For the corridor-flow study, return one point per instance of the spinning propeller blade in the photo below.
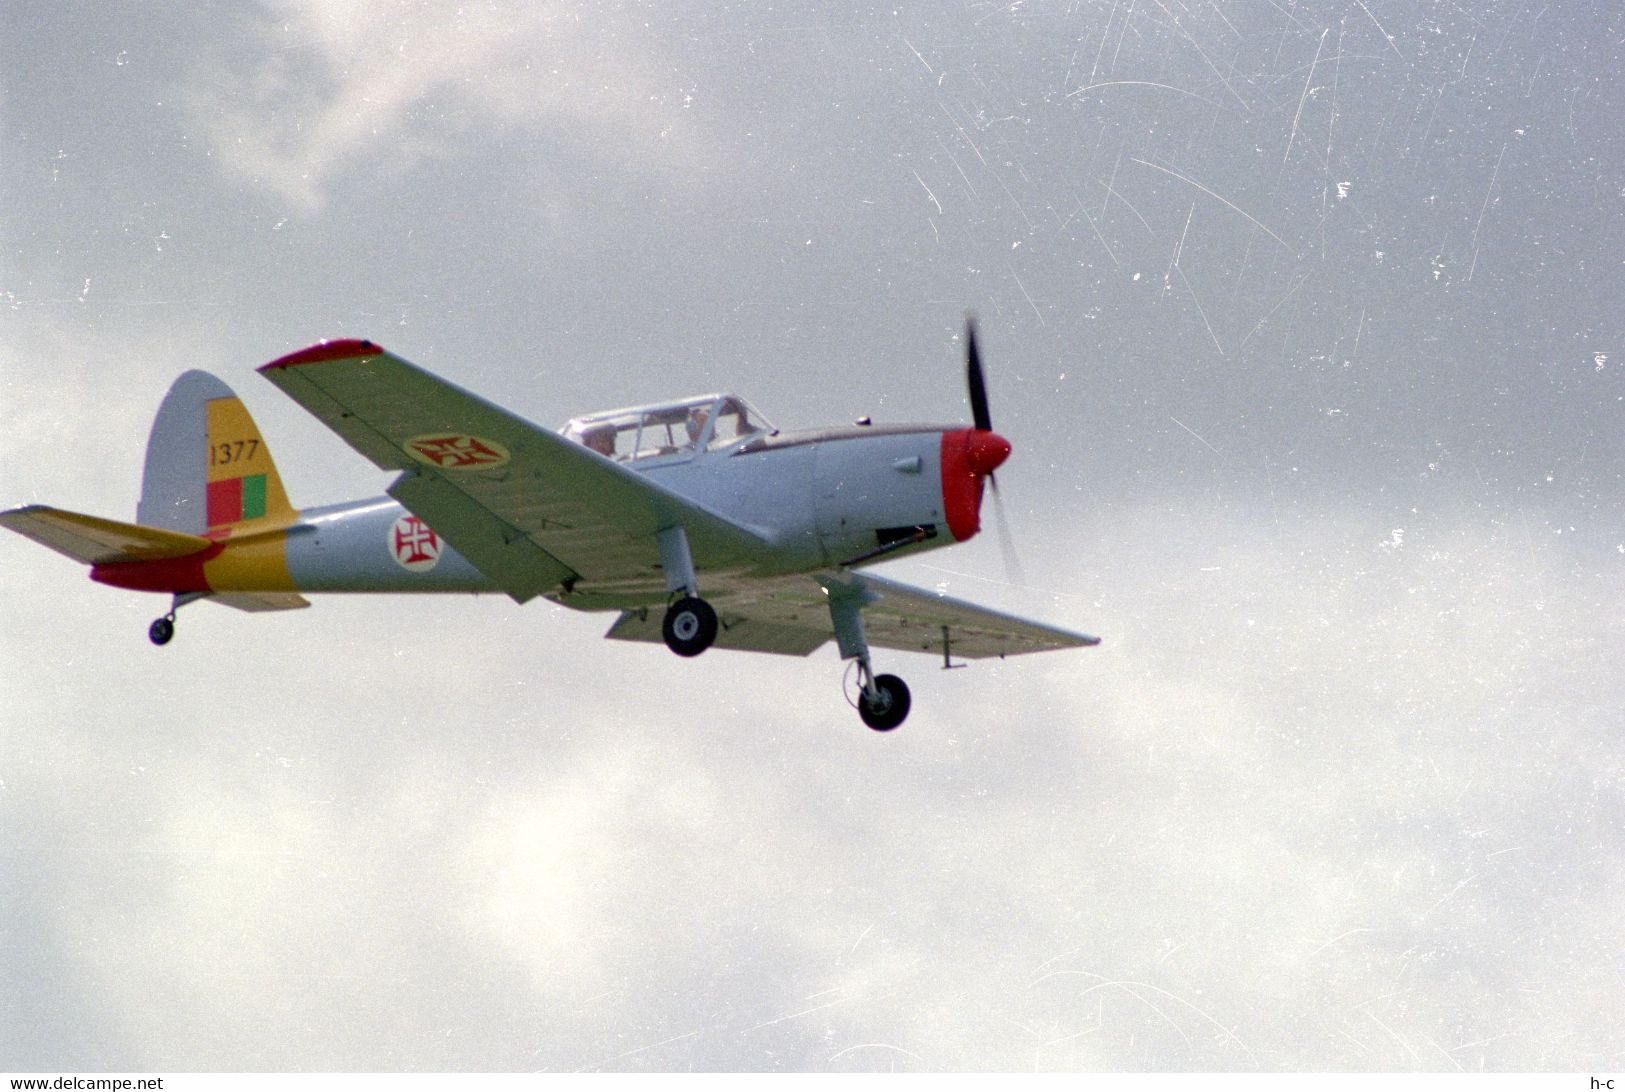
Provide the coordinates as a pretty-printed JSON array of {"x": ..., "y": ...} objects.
[
  {"x": 983, "y": 420},
  {"x": 973, "y": 378},
  {"x": 1007, "y": 543}
]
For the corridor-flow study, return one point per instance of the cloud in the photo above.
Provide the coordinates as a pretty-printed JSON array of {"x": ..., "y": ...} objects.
[
  {"x": 1329, "y": 806},
  {"x": 77, "y": 417},
  {"x": 332, "y": 89},
  {"x": 1330, "y": 796}
]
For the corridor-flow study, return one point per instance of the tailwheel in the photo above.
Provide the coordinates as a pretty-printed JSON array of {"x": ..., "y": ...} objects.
[
  {"x": 690, "y": 626},
  {"x": 162, "y": 629},
  {"x": 887, "y": 706}
]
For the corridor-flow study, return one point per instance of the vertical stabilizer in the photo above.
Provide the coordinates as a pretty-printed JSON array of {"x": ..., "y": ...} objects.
[{"x": 208, "y": 469}]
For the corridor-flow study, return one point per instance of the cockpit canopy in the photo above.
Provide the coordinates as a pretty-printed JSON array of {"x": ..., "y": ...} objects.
[{"x": 708, "y": 423}]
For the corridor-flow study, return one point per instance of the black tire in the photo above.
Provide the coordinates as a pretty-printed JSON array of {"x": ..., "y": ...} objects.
[
  {"x": 891, "y": 707},
  {"x": 690, "y": 626},
  {"x": 161, "y": 630}
]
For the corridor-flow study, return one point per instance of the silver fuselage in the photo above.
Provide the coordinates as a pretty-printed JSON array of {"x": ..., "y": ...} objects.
[{"x": 827, "y": 498}]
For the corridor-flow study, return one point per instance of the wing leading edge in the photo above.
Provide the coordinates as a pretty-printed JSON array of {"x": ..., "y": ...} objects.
[
  {"x": 529, "y": 508},
  {"x": 790, "y": 616}
]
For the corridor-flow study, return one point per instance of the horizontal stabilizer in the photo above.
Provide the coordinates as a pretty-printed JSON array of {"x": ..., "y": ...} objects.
[
  {"x": 96, "y": 541},
  {"x": 259, "y": 601}
]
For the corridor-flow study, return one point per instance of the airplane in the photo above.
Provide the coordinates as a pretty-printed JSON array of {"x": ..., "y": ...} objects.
[{"x": 636, "y": 511}]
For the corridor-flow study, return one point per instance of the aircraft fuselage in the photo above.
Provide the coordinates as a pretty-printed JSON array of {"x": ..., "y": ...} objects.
[{"x": 826, "y": 498}]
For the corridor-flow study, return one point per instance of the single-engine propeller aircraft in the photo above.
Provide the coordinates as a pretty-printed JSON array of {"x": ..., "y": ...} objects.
[{"x": 696, "y": 520}]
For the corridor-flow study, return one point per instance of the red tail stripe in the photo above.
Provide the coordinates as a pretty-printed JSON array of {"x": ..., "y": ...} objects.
[{"x": 174, "y": 574}]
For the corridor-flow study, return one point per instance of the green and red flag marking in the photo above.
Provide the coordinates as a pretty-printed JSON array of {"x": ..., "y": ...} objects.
[{"x": 232, "y": 500}]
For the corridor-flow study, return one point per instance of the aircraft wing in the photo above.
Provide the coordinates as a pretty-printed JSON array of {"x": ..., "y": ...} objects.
[
  {"x": 915, "y": 619},
  {"x": 791, "y": 616},
  {"x": 529, "y": 508}
]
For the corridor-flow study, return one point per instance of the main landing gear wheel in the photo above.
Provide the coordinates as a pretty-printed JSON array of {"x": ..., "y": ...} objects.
[
  {"x": 888, "y": 707},
  {"x": 162, "y": 629},
  {"x": 690, "y": 626}
]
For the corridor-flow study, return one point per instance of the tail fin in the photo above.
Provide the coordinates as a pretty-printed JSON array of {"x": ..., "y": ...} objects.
[{"x": 208, "y": 469}]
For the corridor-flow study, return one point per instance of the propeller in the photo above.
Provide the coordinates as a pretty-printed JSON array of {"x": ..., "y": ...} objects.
[
  {"x": 1013, "y": 571},
  {"x": 973, "y": 378},
  {"x": 983, "y": 420}
]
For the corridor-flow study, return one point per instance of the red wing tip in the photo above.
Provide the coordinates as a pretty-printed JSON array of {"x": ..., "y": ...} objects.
[{"x": 339, "y": 349}]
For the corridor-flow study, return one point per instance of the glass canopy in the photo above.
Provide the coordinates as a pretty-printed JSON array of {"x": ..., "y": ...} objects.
[{"x": 712, "y": 422}]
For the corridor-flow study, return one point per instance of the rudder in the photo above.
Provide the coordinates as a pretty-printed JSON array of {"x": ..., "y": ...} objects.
[{"x": 207, "y": 468}]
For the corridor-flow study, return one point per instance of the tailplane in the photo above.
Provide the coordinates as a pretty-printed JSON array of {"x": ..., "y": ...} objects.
[
  {"x": 208, "y": 470},
  {"x": 92, "y": 540}
]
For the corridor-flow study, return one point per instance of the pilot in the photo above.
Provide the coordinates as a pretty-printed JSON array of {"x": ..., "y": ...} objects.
[
  {"x": 601, "y": 440},
  {"x": 696, "y": 423}
]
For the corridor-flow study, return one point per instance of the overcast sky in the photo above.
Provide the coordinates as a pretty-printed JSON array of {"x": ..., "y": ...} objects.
[{"x": 1304, "y": 319}]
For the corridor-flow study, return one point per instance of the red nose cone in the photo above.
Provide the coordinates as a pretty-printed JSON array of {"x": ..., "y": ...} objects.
[{"x": 986, "y": 452}]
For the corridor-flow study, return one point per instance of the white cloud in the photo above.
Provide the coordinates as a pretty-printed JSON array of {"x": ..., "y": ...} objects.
[
  {"x": 335, "y": 88},
  {"x": 1329, "y": 797},
  {"x": 79, "y": 404},
  {"x": 1367, "y": 831}
]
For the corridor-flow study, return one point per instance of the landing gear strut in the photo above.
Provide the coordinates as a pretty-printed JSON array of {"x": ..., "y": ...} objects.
[
  {"x": 690, "y": 624},
  {"x": 883, "y": 700}
]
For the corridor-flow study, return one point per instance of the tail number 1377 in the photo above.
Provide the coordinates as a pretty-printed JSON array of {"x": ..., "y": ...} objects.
[{"x": 232, "y": 451}]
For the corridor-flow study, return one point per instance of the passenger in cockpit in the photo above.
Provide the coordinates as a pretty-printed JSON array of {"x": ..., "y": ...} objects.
[{"x": 601, "y": 440}]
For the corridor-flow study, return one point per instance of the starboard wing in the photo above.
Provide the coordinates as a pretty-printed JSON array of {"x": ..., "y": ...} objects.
[
  {"x": 790, "y": 616},
  {"x": 529, "y": 508}
]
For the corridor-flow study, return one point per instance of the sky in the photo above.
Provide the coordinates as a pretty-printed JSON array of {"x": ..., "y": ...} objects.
[{"x": 1303, "y": 318}]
